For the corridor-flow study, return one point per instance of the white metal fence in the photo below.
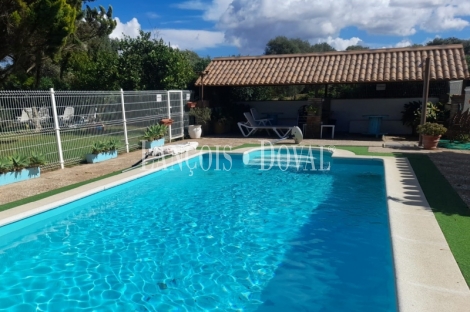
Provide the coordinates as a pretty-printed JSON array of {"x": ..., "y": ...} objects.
[{"x": 63, "y": 125}]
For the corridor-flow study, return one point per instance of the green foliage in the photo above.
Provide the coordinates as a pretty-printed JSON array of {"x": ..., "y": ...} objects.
[
  {"x": 103, "y": 146},
  {"x": 284, "y": 45},
  {"x": 411, "y": 115},
  {"x": 113, "y": 144},
  {"x": 149, "y": 64},
  {"x": 463, "y": 137},
  {"x": 201, "y": 114},
  {"x": 155, "y": 132},
  {"x": 312, "y": 109},
  {"x": 251, "y": 93},
  {"x": 430, "y": 128},
  {"x": 36, "y": 159},
  {"x": 19, "y": 162},
  {"x": 6, "y": 164},
  {"x": 356, "y": 47}
]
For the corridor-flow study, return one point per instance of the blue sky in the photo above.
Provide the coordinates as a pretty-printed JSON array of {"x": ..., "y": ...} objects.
[{"x": 232, "y": 27}]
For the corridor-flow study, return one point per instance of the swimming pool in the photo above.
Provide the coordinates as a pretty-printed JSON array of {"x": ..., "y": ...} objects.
[{"x": 211, "y": 239}]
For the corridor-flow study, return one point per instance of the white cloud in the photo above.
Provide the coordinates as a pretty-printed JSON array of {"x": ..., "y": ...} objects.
[
  {"x": 131, "y": 28},
  {"x": 152, "y": 15},
  {"x": 253, "y": 22},
  {"x": 404, "y": 43},
  {"x": 191, "y": 5},
  {"x": 192, "y": 39},
  {"x": 341, "y": 44}
]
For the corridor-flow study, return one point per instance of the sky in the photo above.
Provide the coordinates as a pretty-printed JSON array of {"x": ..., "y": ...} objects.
[{"x": 218, "y": 28}]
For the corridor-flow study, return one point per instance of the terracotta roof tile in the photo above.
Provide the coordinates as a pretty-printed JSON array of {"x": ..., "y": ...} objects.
[{"x": 384, "y": 65}]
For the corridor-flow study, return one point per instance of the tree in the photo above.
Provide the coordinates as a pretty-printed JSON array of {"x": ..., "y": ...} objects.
[
  {"x": 453, "y": 40},
  {"x": 321, "y": 47},
  {"x": 284, "y": 45},
  {"x": 149, "y": 64},
  {"x": 356, "y": 47},
  {"x": 35, "y": 30}
]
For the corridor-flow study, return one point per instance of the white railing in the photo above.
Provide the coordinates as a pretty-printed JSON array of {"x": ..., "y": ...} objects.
[{"x": 63, "y": 125}]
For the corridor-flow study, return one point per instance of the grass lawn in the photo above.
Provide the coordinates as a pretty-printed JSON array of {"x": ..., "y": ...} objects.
[{"x": 452, "y": 214}]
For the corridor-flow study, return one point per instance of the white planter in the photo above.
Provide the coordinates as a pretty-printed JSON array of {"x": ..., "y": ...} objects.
[{"x": 194, "y": 131}]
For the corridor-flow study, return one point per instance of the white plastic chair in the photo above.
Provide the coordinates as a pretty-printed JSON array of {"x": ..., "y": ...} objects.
[
  {"x": 67, "y": 117},
  {"x": 26, "y": 115}
]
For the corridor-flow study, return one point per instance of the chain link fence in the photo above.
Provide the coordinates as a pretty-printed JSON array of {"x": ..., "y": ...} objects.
[{"x": 63, "y": 125}]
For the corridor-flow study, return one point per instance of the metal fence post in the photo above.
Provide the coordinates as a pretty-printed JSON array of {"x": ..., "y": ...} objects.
[
  {"x": 57, "y": 129},
  {"x": 169, "y": 111},
  {"x": 124, "y": 121}
]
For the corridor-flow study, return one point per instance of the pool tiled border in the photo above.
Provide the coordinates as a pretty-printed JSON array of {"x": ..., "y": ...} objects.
[{"x": 428, "y": 278}]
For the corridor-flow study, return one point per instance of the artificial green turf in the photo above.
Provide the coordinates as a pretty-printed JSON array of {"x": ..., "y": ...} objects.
[{"x": 451, "y": 212}]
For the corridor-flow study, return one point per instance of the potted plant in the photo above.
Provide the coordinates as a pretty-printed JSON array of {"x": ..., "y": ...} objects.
[
  {"x": 222, "y": 125},
  {"x": 202, "y": 116},
  {"x": 18, "y": 168},
  {"x": 312, "y": 110},
  {"x": 191, "y": 104},
  {"x": 431, "y": 133},
  {"x": 155, "y": 136},
  {"x": 103, "y": 150}
]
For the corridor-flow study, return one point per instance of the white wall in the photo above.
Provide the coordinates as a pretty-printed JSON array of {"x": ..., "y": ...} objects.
[{"x": 351, "y": 115}]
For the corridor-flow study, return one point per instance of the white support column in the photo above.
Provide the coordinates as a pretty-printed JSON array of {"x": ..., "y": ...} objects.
[
  {"x": 169, "y": 112},
  {"x": 57, "y": 129},
  {"x": 466, "y": 103},
  {"x": 124, "y": 121},
  {"x": 182, "y": 113}
]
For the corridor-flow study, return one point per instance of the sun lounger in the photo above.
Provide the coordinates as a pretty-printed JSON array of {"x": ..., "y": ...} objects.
[
  {"x": 163, "y": 151},
  {"x": 283, "y": 132}
]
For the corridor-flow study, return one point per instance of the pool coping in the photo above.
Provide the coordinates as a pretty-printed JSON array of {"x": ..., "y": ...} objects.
[{"x": 426, "y": 274}]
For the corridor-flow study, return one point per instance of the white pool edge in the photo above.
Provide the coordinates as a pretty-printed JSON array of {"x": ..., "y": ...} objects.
[{"x": 427, "y": 276}]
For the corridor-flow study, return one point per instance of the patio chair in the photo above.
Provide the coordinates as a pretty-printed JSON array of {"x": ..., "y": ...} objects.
[
  {"x": 67, "y": 117},
  {"x": 43, "y": 115},
  {"x": 26, "y": 115},
  {"x": 259, "y": 119},
  {"x": 283, "y": 132}
]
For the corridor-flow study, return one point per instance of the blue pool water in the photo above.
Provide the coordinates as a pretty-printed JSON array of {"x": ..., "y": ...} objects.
[{"x": 210, "y": 240}]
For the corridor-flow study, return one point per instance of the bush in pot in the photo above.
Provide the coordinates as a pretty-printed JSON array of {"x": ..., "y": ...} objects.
[
  {"x": 155, "y": 136},
  {"x": 18, "y": 167},
  {"x": 431, "y": 133},
  {"x": 103, "y": 150},
  {"x": 202, "y": 116}
]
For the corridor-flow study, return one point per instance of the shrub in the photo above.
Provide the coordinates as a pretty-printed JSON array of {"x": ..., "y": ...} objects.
[
  {"x": 6, "y": 164},
  {"x": 104, "y": 146},
  {"x": 411, "y": 115},
  {"x": 201, "y": 114},
  {"x": 430, "y": 128},
  {"x": 36, "y": 159},
  {"x": 155, "y": 132}
]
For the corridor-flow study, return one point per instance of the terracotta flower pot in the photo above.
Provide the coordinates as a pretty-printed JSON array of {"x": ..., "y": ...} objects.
[
  {"x": 430, "y": 141},
  {"x": 166, "y": 121},
  {"x": 191, "y": 104}
]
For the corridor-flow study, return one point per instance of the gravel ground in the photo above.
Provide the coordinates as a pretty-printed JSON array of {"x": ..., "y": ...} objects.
[{"x": 454, "y": 165}]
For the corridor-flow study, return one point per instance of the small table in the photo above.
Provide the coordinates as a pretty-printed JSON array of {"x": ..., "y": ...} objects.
[
  {"x": 375, "y": 122},
  {"x": 327, "y": 126}
]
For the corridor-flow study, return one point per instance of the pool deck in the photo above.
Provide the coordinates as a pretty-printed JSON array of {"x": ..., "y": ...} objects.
[{"x": 427, "y": 275}]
